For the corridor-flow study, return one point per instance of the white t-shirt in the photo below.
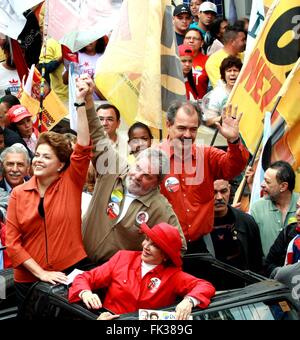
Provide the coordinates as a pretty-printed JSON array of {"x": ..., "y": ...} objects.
[
  {"x": 9, "y": 79},
  {"x": 87, "y": 64},
  {"x": 213, "y": 102},
  {"x": 31, "y": 142},
  {"x": 128, "y": 199}
]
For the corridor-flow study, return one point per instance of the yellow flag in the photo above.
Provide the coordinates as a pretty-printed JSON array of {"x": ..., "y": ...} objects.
[
  {"x": 53, "y": 109},
  {"x": 268, "y": 3},
  {"x": 140, "y": 72},
  {"x": 273, "y": 57},
  {"x": 289, "y": 106},
  {"x": 288, "y": 146}
]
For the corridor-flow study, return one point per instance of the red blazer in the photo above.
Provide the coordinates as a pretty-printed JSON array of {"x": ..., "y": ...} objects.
[{"x": 128, "y": 291}]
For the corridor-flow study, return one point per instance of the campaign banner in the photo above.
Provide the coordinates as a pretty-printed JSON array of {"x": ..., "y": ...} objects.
[
  {"x": 274, "y": 55},
  {"x": 53, "y": 110}
]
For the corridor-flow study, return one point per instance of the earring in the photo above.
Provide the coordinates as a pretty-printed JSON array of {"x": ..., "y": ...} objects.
[{"x": 59, "y": 169}]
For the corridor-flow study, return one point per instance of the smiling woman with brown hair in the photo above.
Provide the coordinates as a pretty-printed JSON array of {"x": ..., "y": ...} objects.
[{"x": 44, "y": 216}]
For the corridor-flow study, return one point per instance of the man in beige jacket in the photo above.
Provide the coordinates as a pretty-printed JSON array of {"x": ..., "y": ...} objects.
[{"x": 123, "y": 198}]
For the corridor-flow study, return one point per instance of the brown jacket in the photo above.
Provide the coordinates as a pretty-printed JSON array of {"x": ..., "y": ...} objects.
[{"x": 102, "y": 235}]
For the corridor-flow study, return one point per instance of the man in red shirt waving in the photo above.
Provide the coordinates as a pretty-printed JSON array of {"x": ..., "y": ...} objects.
[{"x": 193, "y": 168}]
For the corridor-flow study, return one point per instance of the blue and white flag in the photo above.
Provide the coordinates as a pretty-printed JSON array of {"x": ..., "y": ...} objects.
[
  {"x": 73, "y": 73},
  {"x": 259, "y": 173},
  {"x": 257, "y": 18}
]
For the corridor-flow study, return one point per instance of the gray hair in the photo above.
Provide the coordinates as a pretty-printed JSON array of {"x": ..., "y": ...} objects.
[
  {"x": 158, "y": 159},
  {"x": 15, "y": 148},
  {"x": 189, "y": 108}
]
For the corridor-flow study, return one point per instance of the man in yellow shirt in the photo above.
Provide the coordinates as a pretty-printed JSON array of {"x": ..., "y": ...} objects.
[
  {"x": 54, "y": 69},
  {"x": 234, "y": 44}
]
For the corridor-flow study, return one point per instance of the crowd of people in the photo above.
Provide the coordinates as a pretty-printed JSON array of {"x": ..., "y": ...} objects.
[{"x": 74, "y": 200}]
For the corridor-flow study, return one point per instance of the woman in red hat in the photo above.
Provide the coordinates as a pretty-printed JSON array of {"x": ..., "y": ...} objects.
[{"x": 147, "y": 279}]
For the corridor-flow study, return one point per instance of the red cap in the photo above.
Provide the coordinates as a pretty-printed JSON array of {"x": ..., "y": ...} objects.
[
  {"x": 167, "y": 238},
  {"x": 185, "y": 50},
  {"x": 18, "y": 112}
]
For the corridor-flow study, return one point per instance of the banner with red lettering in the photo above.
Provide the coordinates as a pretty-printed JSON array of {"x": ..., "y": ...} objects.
[
  {"x": 274, "y": 55},
  {"x": 53, "y": 109}
]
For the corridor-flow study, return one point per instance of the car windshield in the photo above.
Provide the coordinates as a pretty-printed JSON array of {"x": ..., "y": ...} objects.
[{"x": 267, "y": 310}]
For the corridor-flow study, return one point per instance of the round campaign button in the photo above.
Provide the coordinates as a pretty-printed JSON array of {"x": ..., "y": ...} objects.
[
  {"x": 113, "y": 210},
  {"x": 154, "y": 284},
  {"x": 116, "y": 196},
  {"x": 172, "y": 184},
  {"x": 142, "y": 217}
]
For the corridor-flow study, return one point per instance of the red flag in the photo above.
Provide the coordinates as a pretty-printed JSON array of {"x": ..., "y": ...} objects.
[{"x": 19, "y": 60}]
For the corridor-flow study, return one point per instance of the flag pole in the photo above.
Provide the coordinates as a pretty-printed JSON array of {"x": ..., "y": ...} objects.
[
  {"x": 215, "y": 135},
  {"x": 43, "y": 71},
  {"x": 243, "y": 184}
]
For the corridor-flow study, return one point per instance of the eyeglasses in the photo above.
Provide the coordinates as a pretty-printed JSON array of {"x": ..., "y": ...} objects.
[{"x": 192, "y": 38}]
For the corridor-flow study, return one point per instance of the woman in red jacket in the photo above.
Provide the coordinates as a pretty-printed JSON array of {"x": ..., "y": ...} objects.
[{"x": 147, "y": 279}]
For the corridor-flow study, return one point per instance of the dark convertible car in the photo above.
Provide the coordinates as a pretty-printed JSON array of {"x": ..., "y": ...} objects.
[{"x": 241, "y": 295}]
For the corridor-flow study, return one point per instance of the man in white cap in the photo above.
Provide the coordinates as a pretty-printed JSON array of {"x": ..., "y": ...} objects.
[{"x": 207, "y": 14}]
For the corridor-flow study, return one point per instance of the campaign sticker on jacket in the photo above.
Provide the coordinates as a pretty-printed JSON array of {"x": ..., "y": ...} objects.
[
  {"x": 142, "y": 217},
  {"x": 172, "y": 184},
  {"x": 154, "y": 284},
  {"x": 116, "y": 196},
  {"x": 113, "y": 210}
]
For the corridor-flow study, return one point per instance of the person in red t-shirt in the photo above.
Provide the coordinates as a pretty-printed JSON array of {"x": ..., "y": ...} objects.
[
  {"x": 194, "y": 39},
  {"x": 186, "y": 58}
]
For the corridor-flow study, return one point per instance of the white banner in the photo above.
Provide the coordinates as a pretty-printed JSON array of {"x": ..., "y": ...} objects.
[
  {"x": 12, "y": 20},
  {"x": 77, "y": 23},
  {"x": 21, "y": 6}
]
